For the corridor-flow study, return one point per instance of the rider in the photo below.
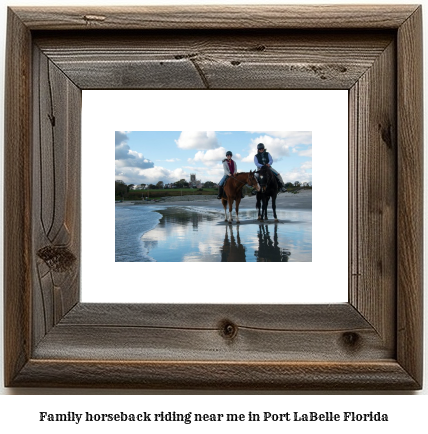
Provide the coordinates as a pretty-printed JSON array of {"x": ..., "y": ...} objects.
[
  {"x": 230, "y": 169},
  {"x": 263, "y": 158}
]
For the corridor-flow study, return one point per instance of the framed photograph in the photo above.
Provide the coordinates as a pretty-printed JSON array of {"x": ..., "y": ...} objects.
[
  {"x": 162, "y": 218},
  {"x": 373, "y": 341}
]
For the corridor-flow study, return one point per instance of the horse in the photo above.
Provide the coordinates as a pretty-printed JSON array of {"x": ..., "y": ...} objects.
[
  {"x": 233, "y": 189},
  {"x": 268, "y": 189}
]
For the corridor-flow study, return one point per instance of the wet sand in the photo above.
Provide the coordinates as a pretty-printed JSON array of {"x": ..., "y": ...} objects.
[{"x": 301, "y": 200}]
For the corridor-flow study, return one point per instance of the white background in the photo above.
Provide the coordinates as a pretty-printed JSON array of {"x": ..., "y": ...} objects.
[
  {"x": 408, "y": 413},
  {"x": 324, "y": 280}
]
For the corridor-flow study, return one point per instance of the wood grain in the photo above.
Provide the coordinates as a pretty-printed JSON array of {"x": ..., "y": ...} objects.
[
  {"x": 17, "y": 199},
  {"x": 373, "y": 178},
  {"x": 216, "y": 59},
  {"x": 56, "y": 198},
  {"x": 372, "y": 342},
  {"x": 199, "y": 332},
  {"x": 410, "y": 197},
  {"x": 217, "y": 17},
  {"x": 216, "y": 375}
]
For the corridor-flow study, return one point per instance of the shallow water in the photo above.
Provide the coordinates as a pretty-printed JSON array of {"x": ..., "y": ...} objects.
[{"x": 198, "y": 234}]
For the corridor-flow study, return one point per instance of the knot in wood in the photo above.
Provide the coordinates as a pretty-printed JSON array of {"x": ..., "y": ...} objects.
[
  {"x": 94, "y": 18},
  {"x": 351, "y": 340},
  {"x": 58, "y": 259},
  {"x": 228, "y": 330},
  {"x": 386, "y": 134}
]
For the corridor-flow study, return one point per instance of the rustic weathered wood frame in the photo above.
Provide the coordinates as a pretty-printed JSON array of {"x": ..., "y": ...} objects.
[{"x": 372, "y": 342}]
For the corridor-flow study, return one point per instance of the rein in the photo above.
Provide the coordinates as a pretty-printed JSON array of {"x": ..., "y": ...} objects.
[{"x": 236, "y": 179}]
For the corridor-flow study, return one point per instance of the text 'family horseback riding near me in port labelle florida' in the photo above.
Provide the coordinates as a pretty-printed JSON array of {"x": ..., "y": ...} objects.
[{"x": 187, "y": 418}]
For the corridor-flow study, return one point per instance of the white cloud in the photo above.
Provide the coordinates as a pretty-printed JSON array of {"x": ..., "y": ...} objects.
[
  {"x": 293, "y": 138},
  {"x": 133, "y": 168},
  {"x": 213, "y": 173},
  {"x": 151, "y": 175},
  {"x": 280, "y": 143},
  {"x": 197, "y": 140},
  {"x": 299, "y": 173},
  {"x": 307, "y": 165},
  {"x": 277, "y": 147},
  {"x": 133, "y": 175},
  {"x": 125, "y": 156},
  {"x": 210, "y": 157},
  {"x": 305, "y": 153}
]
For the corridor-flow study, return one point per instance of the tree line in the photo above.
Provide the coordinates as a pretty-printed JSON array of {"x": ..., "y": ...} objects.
[{"x": 128, "y": 191}]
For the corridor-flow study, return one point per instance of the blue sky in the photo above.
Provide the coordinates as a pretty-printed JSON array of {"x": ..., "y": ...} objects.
[{"x": 152, "y": 156}]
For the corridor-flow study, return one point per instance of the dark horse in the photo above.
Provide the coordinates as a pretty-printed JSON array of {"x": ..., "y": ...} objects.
[
  {"x": 268, "y": 189},
  {"x": 233, "y": 188}
]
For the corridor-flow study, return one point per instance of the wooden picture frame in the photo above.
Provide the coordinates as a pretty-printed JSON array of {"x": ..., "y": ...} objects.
[{"x": 372, "y": 342}]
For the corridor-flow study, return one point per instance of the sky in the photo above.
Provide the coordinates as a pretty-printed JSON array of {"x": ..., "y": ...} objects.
[{"x": 146, "y": 157}]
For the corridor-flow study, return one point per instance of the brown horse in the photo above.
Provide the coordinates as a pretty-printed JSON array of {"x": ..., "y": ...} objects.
[{"x": 233, "y": 189}]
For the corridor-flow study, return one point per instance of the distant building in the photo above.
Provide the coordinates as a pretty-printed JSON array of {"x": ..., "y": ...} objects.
[{"x": 193, "y": 181}]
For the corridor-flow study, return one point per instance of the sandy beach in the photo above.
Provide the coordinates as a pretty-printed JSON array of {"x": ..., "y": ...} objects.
[{"x": 301, "y": 200}]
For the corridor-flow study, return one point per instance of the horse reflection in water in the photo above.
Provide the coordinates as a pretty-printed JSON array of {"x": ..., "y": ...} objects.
[
  {"x": 232, "y": 250},
  {"x": 270, "y": 251}
]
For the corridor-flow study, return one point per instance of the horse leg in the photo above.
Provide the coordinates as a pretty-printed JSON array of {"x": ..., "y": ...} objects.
[
  {"x": 237, "y": 202},
  {"x": 264, "y": 210},
  {"x": 274, "y": 207},
  {"x": 258, "y": 205},
  {"x": 230, "y": 210},
  {"x": 224, "y": 203}
]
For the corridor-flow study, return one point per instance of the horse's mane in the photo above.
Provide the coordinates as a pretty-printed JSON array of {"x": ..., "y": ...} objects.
[
  {"x": 267, "y": 170},
  {"x": 244, "y": 173}
]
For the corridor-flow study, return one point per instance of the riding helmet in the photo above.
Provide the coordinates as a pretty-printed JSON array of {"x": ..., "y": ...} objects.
[
  {"x": 260, "y": 146},
  {"x": 228, "y": 153}
]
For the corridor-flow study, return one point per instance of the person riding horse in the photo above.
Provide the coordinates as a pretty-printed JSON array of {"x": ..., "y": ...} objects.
[
  {"x": 263, "y": 158},
  {"x": 230, "y": 169}
]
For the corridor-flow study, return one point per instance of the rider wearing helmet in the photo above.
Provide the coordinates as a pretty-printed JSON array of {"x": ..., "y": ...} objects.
[
  {"x": 230, "y": 168},
  {"x": 263, "y": 158}
]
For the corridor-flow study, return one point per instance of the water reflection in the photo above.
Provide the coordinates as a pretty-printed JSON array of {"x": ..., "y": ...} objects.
[
  {"x": 232, "y": 249},
  {"x": 183, "y": 217},
  {"x": 200, "y": 235},
  {"x": 269, "y": 251}
]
